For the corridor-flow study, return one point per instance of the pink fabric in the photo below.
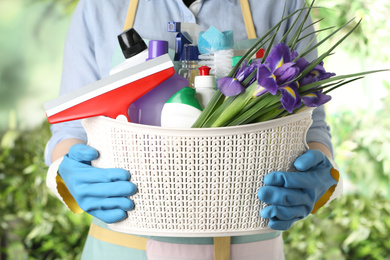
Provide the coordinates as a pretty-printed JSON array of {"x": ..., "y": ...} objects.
[{"x": 271, "y": 249}]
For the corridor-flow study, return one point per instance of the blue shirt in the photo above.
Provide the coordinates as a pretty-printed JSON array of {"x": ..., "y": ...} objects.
[{"x": 91, "y": 43}]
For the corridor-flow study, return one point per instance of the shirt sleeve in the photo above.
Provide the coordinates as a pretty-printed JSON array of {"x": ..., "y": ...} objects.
[{"x": 79, "y": 69}]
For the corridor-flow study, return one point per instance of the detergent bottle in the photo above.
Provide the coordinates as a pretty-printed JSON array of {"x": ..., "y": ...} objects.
[
  {"x": 205, "y": 86},
  {"x": 147, "y": 109},
  {"x": 181, "y": 110},
  {"x": 189, "y": 68}
]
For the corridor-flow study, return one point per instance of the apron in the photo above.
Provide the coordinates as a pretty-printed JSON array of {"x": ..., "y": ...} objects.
[{"x": 103, "y": 243}]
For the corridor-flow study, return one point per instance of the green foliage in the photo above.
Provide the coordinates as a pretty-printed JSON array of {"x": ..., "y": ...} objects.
[
  {"x": 351, "y": 227},
  {"x": 362, "y": 145},
  {"x": 34, "y": 224},
  {"x": 68, "y": 6},
  {"x": 372, "y": 35},
  {"x": 31, "y": 49}
]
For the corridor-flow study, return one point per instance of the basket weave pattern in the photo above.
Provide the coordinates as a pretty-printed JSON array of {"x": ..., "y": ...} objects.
[{"x": 197, "y": 182}]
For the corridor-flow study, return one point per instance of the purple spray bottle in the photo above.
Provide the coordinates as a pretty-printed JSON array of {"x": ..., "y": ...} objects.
[{"x": 147, "y": 109}]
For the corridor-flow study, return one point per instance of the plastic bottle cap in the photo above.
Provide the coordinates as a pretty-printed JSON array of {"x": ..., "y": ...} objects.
[
  {"x": 190, "y": 52},
  {"x": 204, "y": 70},
  {"x": 186, "y": 96},
  {"x": 157, "y": 48},
  {"x": 235, "y": 59},
  {"x": 131, "y": 43},
  {"x": 260, "y": 53},
  {"x": 205, "y": 80}
]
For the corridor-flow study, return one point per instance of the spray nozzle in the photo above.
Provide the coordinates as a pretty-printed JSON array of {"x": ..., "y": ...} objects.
[
  {"x": 189, "y": 30},
  {"x": 174, "y": 26},
  {"x": 204, "y": 70}
]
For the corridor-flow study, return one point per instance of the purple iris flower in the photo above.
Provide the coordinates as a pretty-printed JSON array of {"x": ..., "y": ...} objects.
[
  {"x": 279, "y": 55},
  {"x": 301, "y": 63},
  {"x": 290, "y": 97},
  {"x": 316, "y": 74},
  {"x": 277, "y": 69},
  {"x": 315, "y": 99},
  {"x": 230, "y": 86},
  {"x": 320, "y": 73},
  {"x": 285, "y": 73},
  {"x": 233, "y": 86}
]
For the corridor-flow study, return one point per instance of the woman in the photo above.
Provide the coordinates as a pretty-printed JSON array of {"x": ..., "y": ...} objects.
[{"x": 90, "y": 51}]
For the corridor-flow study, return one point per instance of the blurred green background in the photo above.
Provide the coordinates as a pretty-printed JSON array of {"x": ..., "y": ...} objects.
[{"x": 35, "y": 225}]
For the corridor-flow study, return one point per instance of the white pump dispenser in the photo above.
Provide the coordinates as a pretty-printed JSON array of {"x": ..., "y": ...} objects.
[{"x": 205, "y": 86}]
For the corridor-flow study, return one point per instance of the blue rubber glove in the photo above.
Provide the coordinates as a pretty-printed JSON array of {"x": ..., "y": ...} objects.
[
  {"x": 292, "y": 195},
  {"x": 100, "y": 192}
]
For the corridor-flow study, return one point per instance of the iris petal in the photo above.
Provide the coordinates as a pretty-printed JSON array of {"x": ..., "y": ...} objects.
[
  {"x": 290, "y": 97},
  {"x": 241, "y": 68},
  {"x": 315, "y": 99},
  {"x": 230, "y": 86},
  {"x": 279, "y": 55},
  {"x": 245, "y": 73},
  {"x": 259, "y": 91},
  {"x": 286, "y": 73},
  {"x": 270, "y": 85},
  {"x": 266, "y": 79}
]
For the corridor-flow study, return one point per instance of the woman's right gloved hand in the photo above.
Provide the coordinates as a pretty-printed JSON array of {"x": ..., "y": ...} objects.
[{"x": 100, "y": 192}]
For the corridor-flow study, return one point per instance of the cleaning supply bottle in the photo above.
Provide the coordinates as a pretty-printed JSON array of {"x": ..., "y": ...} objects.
[
  {"x": 147, "y": 109},
  {"x": 186, "y": 33},
  {"x": 205, "y": 86},
  {"x": 133, "y": 48},
  {"x": 189, "y": 68},
  {"x": 181, "y": 110}
]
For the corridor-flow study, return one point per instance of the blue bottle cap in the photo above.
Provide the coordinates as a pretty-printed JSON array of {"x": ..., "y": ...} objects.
[{"x": 190, "y": 52}]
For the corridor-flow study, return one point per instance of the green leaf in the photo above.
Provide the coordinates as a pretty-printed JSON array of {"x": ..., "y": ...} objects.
[
  {"x": 217, "y": 113},
  {"x": 236, "y": 105},
  {"x": 315, "y": 32},
  {"x": 325, "y": 40},
  {"x": 271, "y": 114},
  {"x": 293, "y": 24},
  {"x": 258, "y": 44},
  {"x": 294, "y": 40},
  {"x": 261, "y": 105},
  {"x": 214, "y": 103},
  {"x": 341, "y": 77},
  {"x": 339, "y": 85}
]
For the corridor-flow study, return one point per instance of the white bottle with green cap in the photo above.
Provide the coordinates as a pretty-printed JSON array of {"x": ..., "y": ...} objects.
[{"x": 181, "y": 110}]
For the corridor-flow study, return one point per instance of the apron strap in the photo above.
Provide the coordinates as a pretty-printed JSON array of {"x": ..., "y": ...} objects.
[
  {"x": 246, "y": 13},
  {"x": 130, "y": 15},
  {"x": 248, "y": 20},
  {"x": 221, "y": 248}
]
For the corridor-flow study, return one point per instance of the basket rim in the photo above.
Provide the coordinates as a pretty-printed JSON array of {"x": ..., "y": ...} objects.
[{"x": 217, "y": 131}]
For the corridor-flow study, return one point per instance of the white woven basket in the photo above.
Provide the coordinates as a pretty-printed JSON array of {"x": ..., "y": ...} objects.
[{"x": 197, "y": 182}]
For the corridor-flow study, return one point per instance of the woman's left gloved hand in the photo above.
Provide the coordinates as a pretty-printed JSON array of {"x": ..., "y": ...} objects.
[{"x": 292, "y": 195}]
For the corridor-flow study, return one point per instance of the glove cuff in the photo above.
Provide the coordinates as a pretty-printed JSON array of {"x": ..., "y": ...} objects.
[
  {"x": 332, "y": 192},
  {"x": 58, "y": 187}
]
